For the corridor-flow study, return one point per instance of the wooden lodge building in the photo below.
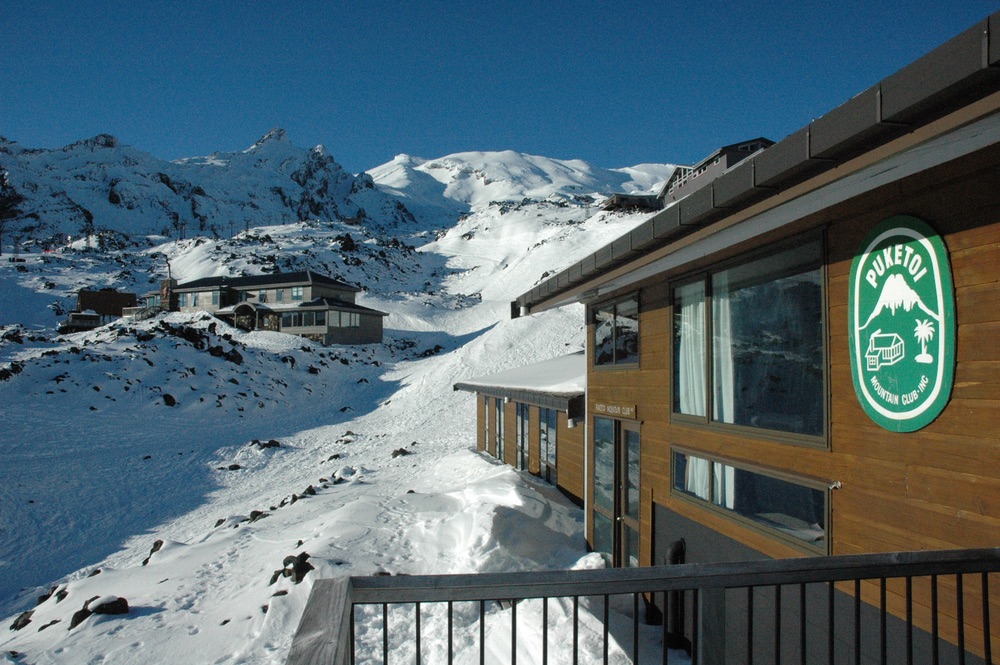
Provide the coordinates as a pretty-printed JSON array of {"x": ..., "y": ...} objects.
[
  {"x": 532, "y": 418},
  {"x": 802, "y": 357}
]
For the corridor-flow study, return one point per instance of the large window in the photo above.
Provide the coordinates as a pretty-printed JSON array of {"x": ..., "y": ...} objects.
[
  {"x": 791, "y": 508},
  {"x": 748, "y": 344},
  {"x": 616, "y": 333},
  {"x": 523, "y": 421},
  {"x": 296, "y": 293},
  {"x": 547, "y": 424},
  {"x": 301, "y": 319},
  {"x": 345, "y": 320}
]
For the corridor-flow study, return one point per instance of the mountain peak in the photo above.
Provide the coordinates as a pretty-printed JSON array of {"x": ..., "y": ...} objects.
[
  {"x": 276, "y": 135},
  {"x": 99, "y": 141}
]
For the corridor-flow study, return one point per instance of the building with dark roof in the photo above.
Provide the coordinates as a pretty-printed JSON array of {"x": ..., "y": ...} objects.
[
  {"x": 686, "y": 180},
  {"x": 306, "y": 303},
  {"x": 95, "y": 308}
]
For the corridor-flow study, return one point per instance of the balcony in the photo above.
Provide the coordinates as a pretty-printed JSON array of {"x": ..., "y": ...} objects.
[{"x": 902, "y": 607}]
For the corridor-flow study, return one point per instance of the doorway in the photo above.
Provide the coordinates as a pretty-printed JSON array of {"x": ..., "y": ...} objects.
[{"x": 616, "y": 490}]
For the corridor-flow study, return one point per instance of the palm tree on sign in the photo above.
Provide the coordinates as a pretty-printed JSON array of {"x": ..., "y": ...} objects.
[{"x": 924, "y": 332}]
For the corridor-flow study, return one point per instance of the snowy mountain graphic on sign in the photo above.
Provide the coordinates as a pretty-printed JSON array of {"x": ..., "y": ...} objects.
[{"x": 896, "y": 294}]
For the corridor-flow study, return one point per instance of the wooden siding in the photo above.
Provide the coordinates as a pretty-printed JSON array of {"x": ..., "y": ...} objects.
[
  {"x": 569, "y": 456},
  {"x": 569, "y": 451},
  {"x": 480, "y": 423},
  {"x": 937, "y": 488}
]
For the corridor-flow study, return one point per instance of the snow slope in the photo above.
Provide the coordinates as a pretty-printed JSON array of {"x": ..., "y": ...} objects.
[
  {"x": 472, "y": 180},
  {"x": 229, "y": 452}
]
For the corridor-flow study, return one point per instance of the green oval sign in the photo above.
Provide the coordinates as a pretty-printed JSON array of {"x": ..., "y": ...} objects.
[{"x": 901, "y": 324}]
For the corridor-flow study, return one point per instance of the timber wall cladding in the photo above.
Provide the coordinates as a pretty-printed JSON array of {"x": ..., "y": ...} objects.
[
  {"x": 569, "y": 456},
  {"x": 937, "y": 488}
]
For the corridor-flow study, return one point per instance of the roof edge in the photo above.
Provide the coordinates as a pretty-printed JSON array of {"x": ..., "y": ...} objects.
[{"x": 963, "y": 70}]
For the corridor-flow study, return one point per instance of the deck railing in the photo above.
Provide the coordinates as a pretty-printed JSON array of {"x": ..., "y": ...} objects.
[{"x": 901, "y": 607}]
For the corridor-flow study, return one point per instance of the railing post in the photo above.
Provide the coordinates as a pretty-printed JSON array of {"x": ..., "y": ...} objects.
[
  {"x": 329, "y": 602},
  {"x": 711, "y": 626}
]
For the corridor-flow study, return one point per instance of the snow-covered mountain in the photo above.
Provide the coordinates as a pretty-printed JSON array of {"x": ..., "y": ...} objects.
[
  {"x": 472, "y": 180},
  {"x": 100, "y": 185},
  {"x": 187, "y": 461}
]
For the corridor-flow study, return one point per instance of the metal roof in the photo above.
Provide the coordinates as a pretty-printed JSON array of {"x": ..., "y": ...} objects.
[
  {"x": 316, "y": 303},
  {"x": 958, "y": 73},
  {"x": 302, "y": 277}
]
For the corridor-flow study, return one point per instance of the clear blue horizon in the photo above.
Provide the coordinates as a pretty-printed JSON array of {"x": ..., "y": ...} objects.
[{"x": 615, "y": 86}]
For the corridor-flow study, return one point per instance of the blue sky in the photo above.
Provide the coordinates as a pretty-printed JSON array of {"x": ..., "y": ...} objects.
[{"x": 613, "y": 83}]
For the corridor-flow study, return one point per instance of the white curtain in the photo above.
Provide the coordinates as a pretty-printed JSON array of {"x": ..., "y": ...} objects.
[
  {"x": 696, "y": 479},
  {"x": 725, "y": 485},
  {"x": 722, "y": 350},
  {"x": 691, "y": 351}
]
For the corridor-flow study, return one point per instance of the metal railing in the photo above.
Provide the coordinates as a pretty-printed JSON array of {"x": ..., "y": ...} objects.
[{"x": 901, "y": 607}]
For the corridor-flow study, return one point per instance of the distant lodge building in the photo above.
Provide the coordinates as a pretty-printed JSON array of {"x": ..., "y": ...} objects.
[
  {"x": 687, "y": 179},
  {"x": 532, "y": 418},
  {"x": 94, "y": 308},
  {"x": 800, "y": 357},
  {"x": 305, "y": 303}
]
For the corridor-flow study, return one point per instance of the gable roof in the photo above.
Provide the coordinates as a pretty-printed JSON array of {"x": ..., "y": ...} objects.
[
  {"x": 961, "y": 74},
  {"x": 316, "y": 303},
  {"x": 302, "y": 277}
]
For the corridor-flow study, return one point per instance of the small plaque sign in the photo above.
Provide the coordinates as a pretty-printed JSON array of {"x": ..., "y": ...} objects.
[{"x": 615, "y": 410}]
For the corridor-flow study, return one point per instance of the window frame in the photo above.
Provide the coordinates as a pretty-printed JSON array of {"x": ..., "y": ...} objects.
[
  {"x": 823, "y": 486},
  {"x": 705, "y": 276},
  {"x": 592, "y": 334},
  {"x": 522, "y": 436},
  {"x": 499, "y": 413},
  {"x": 549, "y": 472},
  {"x": 487, "y": 432}
]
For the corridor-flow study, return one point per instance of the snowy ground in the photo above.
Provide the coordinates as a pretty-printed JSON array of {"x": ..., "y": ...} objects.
[{"x": 161, "y": 431}]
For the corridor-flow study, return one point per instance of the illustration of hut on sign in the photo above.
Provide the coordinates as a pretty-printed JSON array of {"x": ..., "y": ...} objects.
[{"x": 884, "y": 349}]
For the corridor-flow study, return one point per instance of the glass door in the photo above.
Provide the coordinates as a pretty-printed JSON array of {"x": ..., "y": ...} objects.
[
  {"x": 616, "y": 490},
  {"x": 628, "y": 490}
]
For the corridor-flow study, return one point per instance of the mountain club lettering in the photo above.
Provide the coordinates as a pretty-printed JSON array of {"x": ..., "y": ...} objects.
[{"x": 901, "y": 324}]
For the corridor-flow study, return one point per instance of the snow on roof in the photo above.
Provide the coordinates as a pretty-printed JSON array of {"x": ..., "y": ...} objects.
[{"x": 565, "y": 375}]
